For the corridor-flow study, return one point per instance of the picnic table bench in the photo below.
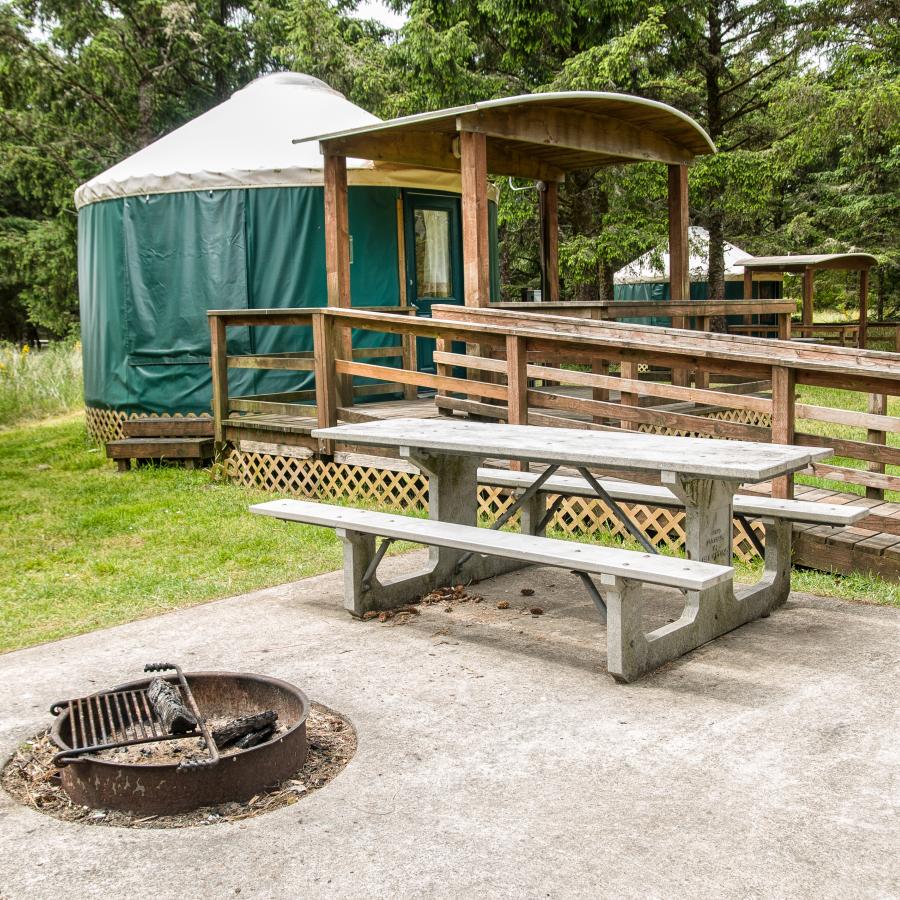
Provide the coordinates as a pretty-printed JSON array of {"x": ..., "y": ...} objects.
[{"x": 699, "y": 474}]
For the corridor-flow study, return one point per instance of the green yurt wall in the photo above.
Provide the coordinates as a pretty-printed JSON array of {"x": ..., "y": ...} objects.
[{"x": 227, "y": 212}]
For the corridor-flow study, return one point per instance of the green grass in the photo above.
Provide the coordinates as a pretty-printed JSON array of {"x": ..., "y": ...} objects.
[
  {"x": 85, "y": 548},
  {"x": 36, "y": 384},
  {"x": 851, "y": 400},
  {"x": 82, "y": 547}
]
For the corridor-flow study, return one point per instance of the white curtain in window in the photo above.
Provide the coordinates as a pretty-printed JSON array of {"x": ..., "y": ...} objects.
[{"x": 437, "y": 253}]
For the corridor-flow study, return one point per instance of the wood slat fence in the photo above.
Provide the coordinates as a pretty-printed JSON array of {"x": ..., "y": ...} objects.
[{"x": 540, "y": 368}]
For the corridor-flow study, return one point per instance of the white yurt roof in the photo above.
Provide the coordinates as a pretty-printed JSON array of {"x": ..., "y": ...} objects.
[
  {"x": 653, "y": 266},
  {"x": 248, "y": 141}
]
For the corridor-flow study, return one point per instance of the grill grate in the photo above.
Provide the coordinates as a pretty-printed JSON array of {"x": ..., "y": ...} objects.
[{"x": 113, "y": 719}]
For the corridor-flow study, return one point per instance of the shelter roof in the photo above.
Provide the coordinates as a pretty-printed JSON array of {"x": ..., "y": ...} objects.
[
  {"x": 846, "y": 261},
  {"x": 246, "y": 142},
  {"x": 534, "y": 135}
]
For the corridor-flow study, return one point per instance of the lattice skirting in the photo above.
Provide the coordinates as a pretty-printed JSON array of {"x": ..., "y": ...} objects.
[
  {"x": 402, "y": 489},
  {"x": 105, "y": 425}
]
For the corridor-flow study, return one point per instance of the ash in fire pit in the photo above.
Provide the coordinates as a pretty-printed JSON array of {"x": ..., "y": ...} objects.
[{"x": 117, "y": 751}]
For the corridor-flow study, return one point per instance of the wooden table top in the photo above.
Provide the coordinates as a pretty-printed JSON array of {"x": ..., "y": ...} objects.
[{"x": 742, "y": 461}]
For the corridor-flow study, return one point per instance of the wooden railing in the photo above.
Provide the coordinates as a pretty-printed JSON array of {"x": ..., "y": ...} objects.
[
  {"x": 696, "y": 313},
  {"x": 539, "y": 368}
]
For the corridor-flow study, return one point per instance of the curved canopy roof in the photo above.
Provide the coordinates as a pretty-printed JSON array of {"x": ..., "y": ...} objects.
[
  {"x": 846, "y": 261},
  {"x": 247, "y": 142},
  {"x": 653, "y": 266},
  {"x": 534, "y": 135}
]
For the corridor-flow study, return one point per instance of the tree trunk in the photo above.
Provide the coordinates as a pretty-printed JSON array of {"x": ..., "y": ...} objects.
[{"x": 607, "y": 286}]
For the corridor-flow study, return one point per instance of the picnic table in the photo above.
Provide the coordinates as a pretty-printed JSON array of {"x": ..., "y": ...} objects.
[{"x": 702, "y": 474}]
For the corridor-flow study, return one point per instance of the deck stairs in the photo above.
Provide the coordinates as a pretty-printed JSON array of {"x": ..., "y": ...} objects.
[{"x": 182, "y": 440}]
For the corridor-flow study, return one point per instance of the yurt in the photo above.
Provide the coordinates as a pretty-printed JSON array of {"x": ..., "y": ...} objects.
[
  {"x": 227, "y": 212},
  {"x": 647, "y": 277}
]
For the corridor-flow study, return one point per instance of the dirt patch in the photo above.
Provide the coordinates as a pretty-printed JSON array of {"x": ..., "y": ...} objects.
[{"x": 31, "y": 778}]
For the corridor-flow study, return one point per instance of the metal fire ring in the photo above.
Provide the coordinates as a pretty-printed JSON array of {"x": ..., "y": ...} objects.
[{"x": 166, "y": 788}]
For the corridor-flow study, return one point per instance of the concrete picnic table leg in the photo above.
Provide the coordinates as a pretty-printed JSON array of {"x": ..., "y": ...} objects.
[
  {"x": 453, "y": 498},
  {"x": 707, "y": 614}
]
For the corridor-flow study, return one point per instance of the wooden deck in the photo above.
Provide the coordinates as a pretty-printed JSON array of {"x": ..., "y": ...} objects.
[{"x": 873, "y": 545}]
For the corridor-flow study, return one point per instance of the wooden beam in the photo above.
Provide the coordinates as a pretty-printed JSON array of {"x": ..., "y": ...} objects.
[
  {"x": 748, "y": 284},
  {"x": 326, "y": 377},
  {"x": 337, "y": 256},
  {"x": 434, "y": 150},
  {"x": 679, "y": 251},
  {"x": 863, "y": 307},
  {"x": 401, "y": 253},
  {"x": 219, "y": 364},
  {"x": 337, "y": 232},
  {"x": 808, "y": 278},
  {"x": 575, "y": 130},
  {"x": 476, "y": 243},
  {"x": 516, "y": 379},
  {"x": 783, "y": 400},
  {"x": 549, "y": 207},
  {"x": 878, "y": 406}
]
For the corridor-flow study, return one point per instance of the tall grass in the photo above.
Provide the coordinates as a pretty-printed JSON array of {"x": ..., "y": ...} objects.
[{"x": 39, "y": 383}]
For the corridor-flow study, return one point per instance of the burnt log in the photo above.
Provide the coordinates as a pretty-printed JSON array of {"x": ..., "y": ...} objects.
[
  {"x": 233, "y": 731},
  {"x": 176, "y": 718},
  {"x": 255, "y": 737}
]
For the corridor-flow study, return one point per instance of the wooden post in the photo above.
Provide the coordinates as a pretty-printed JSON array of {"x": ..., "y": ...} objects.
[
  {"x": 548, "y": 196},
  {"x": 337, "y": 257},
  {"x": 784, "y": 326},
  {"x": 442, "y": 345},
  {"x": 783, "y": 390},
  {"x": 517, "y": 387},
  {"x": 324, "y": 345},
  {"x": 628, "y": 370},
  {"x": 808, "y": 277},
  {"x": 401, "y": 254},
  {"x": 476, "y": 243},
  {"x": 748, "y": 293},
  {"x": 600, "y": 367},
  {"x": 877, "y": 405},
  {"x": 679, "y": 250},
  {"x": 863, "y": 307},
  {"x": 337, "y": 232},
  {"x": 219, "y": 364},
  {"x": 410, "y": 363},
  {"x": 701, "y": 377}
]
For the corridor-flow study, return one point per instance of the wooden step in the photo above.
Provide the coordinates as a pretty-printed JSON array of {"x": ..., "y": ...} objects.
[
  {"x": 189, "y": 450},
  {"x": 168, "y": 426}
]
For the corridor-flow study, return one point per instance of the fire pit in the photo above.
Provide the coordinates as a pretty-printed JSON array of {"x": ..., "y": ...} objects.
[{"x": 117, "y": 722}]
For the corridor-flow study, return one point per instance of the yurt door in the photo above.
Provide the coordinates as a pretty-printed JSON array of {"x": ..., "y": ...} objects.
[{"x": 433, "y": 258}]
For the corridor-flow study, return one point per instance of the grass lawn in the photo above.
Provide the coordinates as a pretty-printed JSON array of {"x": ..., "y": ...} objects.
[
  {"x": 82, "y": 548},
  {"x": 852, "y": 400}
]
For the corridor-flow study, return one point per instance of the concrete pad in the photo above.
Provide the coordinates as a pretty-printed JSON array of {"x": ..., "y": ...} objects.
[{"x": 497, "y": 759}]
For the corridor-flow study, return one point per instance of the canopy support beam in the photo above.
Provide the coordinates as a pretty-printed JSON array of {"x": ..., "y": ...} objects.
[
  {"x": 679, "y": 250},
  {"x": 337, "y": 257},
  {"x": 548, "y": 196},
  {"x": 809, "y": 275},
  {"x": 476, "y": 242},
  {"x": 863, "y": 307}
]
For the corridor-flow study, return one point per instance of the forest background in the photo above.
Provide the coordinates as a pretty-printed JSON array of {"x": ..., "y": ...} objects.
[{"x": 801, "y": 98}]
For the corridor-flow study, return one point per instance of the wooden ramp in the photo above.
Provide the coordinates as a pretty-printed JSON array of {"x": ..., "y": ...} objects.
[{"x": 873, "y": 545}]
